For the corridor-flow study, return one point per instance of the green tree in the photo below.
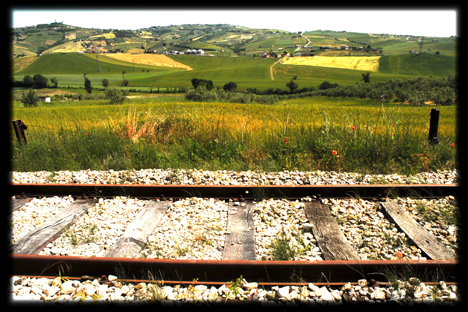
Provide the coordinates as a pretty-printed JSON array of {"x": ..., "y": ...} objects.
[
  {"x": 28, "y": 81},
  {"x": 30, "y": 98},
  {"x": 327, "y": 85},
  {"x": 230, "y": 86},
  {"x": 54, "y": 80},
  {"x": 292, "y": 85},
  {"x": 40, "y": 81},
  {"x": 88, "y": 86},
  {"x": 208, "y": 84},
  {"x": 105, "y": 83},
  {"x": 366, "y": 77}
]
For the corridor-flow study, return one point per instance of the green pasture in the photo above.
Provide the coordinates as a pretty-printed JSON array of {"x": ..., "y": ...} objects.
[
  {"x": 247, "y": 72},
  {"x": 421, "y": 65}
]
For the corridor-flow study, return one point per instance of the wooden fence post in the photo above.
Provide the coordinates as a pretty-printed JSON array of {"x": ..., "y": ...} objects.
[
  {"x": 19, "y": 127},
  {"x": 434, "y": 126}
]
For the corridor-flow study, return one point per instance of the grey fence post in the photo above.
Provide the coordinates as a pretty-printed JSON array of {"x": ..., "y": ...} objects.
[{"x": 19, "y": 127}]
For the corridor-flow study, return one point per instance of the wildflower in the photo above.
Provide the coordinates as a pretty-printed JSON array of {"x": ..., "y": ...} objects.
[
  {"x": 334, "y": 152},
  {"x": 453, "y": 144},
  {"x": 86, "y": 133},
  {"x": 286, "y": 142},
  {"x": 421, "y": 155},
  {"x": 352, "y": 128}
]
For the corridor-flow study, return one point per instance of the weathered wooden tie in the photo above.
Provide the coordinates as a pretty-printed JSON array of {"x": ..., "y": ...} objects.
[
  {"x": 36, "y": 240},
  {"x": 17, "y": 203},
  {"x": 240, "y": 240},
  {"x": 329, "y": 237},
  {"x": 422, "y": 238},
  {"x": 135, "y": 237}
]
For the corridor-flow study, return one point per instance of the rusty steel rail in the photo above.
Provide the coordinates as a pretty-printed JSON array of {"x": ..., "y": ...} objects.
[
  {"x": 235, "y": 191},
  {"x": 216, "y": 271},
  {"x": 221, "y": 271}
]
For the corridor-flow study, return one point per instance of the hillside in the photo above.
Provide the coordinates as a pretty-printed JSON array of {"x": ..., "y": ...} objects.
[
  {"x": 339, "y": 57},
  {"x": 213, "y": 38}
]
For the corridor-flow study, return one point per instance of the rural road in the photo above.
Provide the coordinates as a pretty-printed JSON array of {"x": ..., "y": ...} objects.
[{"x": 271, "y": 67}]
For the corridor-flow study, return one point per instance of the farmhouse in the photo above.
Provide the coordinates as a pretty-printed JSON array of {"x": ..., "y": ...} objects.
[
  {"x": 344, "y": 47},
  {"x": 172, "y": 53},
  {"x": 304, "y": 54},
  {"x": 194, "y": 51},
  {"x": 268, "y": 55},
  {"x": 414, "y": 52},
  {"x": 44, "y": 99}
]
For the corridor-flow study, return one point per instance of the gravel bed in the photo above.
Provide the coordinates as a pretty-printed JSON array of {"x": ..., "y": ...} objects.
[
  {"x": 438, "y": 216},
  {"x": 203, "y": 223},
  {"x": 369, "y": 232},
  {"x": 277, "y": 220},
  {"x": 34, "y": 213},
  {"x": 224, "y": 177},
  {"x": 409, "y": 293},
  {"x": 98, "y": 229}
]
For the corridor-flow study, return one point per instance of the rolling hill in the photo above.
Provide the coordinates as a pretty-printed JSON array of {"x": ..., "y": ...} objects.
[{"x": 59, "y": 46}]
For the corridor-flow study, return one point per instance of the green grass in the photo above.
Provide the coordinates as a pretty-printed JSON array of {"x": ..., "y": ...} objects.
[
  {"x": 69, "y": 68},
  {"x": 247, "y": 72},
  {"x": 421, "y": 65},
  {"x": 149, "y": 133}
]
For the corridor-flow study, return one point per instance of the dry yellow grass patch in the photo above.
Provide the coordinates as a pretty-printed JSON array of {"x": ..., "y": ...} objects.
[
  {"x": 105, "y": 35},
  {"x": 149, "y": 59},
  {"x": 366, "y": 63},
  {"x": 23, "y": 62},
  {"x": 68, "y": 47}
]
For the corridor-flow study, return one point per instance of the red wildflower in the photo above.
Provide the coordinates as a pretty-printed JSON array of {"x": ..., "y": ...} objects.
[
  {"x": 352, "y": 128},
  {"x": 453, "y": 144},
  {"x": 86, "y": 133},
  {"x": 334, "y": 152},
  {"x": 286, "y": 142},
  {"x": 421, "y": 155}
]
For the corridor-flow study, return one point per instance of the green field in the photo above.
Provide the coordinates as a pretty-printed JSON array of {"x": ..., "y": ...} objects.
[
  {"x": 247, "y": 72},
  {"x": 297, "y": 134},
  {"x": 422, "y": 65}
]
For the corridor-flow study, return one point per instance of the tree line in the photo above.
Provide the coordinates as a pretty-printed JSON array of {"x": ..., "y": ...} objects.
[{"x": 415, "y": 91}]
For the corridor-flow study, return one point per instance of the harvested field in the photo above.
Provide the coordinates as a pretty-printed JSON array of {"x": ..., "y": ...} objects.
[{"x": 366, "y": 63}]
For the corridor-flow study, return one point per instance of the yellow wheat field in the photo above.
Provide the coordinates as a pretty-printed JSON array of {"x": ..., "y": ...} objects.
[
  {"x": 149, "y": 59},
  {"x": 366, "y": 63}
]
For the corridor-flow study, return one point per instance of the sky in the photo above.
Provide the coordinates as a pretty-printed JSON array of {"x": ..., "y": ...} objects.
[{"x": 429, "y": 22}]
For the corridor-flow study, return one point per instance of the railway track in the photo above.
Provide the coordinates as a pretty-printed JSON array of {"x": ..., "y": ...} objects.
[{"x": 340, "y": 262}]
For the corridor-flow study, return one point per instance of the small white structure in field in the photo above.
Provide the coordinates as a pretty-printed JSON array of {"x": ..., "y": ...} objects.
[{"x": 44, "y": 99}]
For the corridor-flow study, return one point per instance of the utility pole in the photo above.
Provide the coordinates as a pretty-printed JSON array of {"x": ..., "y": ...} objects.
[{"x": 98, "y": 63}]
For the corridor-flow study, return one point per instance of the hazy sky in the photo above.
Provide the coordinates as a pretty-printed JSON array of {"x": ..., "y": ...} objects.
[{"x": 439, "y": 23}]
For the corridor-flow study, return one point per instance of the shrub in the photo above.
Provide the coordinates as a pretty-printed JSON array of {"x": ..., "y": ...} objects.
[
  {"x": 116, "y": 96},
  {"x": 30, "y": 98}
]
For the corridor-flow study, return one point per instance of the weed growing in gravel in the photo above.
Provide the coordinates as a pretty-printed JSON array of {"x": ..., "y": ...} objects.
[
  {"x": 86, "y": 237},
  {"x": 281, "y": 248}
]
